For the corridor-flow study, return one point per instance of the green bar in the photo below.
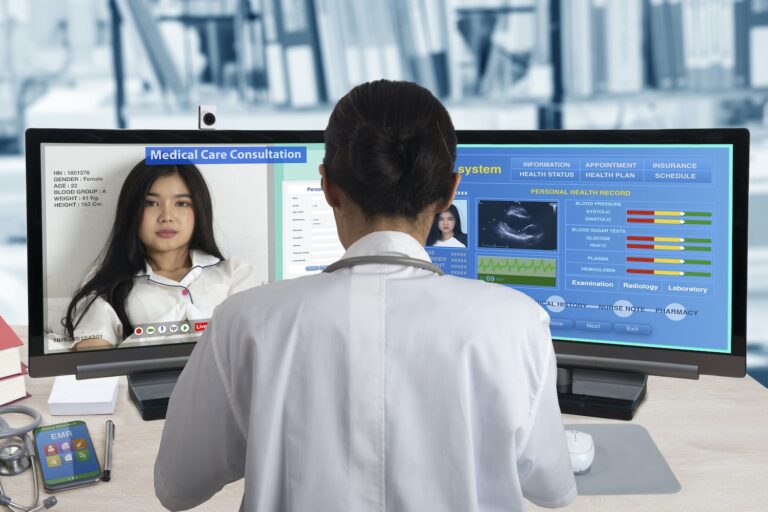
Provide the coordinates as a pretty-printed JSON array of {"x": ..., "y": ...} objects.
[
  {"x": 698, "y": 214},
  {"x": 707, "y": 222},
  {"x": 520, "y": 280},
  {"x": 698, "y": 240},
  {"x": 698, "y": 262},
  {"x": 698, "y": 274},
  {"x": 696, "y": 248}
]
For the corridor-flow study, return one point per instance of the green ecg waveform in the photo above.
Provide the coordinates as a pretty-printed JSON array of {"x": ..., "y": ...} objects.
[{"x": 516, "y": 266}]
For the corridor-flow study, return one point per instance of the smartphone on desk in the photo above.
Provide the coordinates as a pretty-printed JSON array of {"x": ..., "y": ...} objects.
[{"x": 66, "y": 456}]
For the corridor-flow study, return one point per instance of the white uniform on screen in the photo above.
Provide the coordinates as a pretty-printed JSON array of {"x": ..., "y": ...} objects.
[
  {"x": 157, "y": 299},
  {"x": 323, "y": 393}
]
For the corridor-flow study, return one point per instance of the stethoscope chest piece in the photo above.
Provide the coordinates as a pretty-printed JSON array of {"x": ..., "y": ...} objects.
[{"x": 13, "y": 459}]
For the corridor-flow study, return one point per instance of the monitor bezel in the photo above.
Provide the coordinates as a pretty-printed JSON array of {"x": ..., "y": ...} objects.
[{"x": 725, "y": 364}]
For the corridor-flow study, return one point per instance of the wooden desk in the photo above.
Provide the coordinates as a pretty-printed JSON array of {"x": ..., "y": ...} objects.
[{"x": 713, "y": 433}]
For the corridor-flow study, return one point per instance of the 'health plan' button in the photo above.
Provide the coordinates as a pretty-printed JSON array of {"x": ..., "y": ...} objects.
[
  {"x": 632, "y": 328},
  {"x": 590, "y": 325},
  {"x": 560, "y": 323}
]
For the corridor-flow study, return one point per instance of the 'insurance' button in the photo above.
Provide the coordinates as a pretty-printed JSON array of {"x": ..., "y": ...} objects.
[
  {"x": 560, "y": 323},
  {"x": 590, "y": 325},
  {"x": 632, "y": 328}
]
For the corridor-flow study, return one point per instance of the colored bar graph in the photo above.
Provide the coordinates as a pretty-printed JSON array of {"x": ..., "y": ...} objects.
[
  {"x": 658, "y": 247},
  {"x": 669, "y": 239},
  {"x": 669, "y": 213},
  {"x": 667, "y": 272},
  {"x": 668, "y": 221},
  {"x": 674, "y": 261}
]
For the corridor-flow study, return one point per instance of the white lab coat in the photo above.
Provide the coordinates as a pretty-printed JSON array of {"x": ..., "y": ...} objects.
[
  {"x": 374, "y": 388},
  {"x": 157, "y": 299}
]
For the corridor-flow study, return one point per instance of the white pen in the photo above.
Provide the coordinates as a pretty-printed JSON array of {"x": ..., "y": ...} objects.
[{"x": 107, "y": 473}]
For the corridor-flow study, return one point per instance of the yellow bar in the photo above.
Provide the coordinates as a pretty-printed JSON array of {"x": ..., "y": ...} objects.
[
  {"x": 666, "y": 239},
  {"x": 665, "y": 212},
  {"x": 667, "y": 221},
  {"x": 669, "y": 247},
  {"x": 666, "y": 260},
  {"x": 668, "y": 272}
]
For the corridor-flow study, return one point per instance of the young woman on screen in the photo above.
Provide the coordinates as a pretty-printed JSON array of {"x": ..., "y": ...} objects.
[
  {"x": 446, "y": 229},
  {"x": 161, "y": 263}
]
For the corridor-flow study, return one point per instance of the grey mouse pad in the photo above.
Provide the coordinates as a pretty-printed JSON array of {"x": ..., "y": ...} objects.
[{"x": 627, "y": 461}]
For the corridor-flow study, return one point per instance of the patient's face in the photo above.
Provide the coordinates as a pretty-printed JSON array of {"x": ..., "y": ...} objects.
[{"x": 168, "y": 219}]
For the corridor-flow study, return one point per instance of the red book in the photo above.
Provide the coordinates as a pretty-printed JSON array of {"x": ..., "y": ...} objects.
[
  {"x": 10, "y": 357},
  {"x": 13, "y": 387}
]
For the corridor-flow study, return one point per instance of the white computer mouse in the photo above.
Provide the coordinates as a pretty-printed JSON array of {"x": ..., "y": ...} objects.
[{"x": 581, "y": 449}]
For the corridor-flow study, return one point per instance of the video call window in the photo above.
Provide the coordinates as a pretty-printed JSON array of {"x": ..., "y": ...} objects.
[{"x": 213, "y": 202}]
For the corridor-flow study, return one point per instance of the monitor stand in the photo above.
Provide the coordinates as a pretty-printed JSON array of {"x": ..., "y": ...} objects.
[
  {"x": 150, "y": 392},
  {"x": 600, "y": 393}
]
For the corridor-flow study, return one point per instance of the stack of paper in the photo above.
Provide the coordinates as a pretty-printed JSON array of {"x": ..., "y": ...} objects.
[{"x": 72, "y": 397}]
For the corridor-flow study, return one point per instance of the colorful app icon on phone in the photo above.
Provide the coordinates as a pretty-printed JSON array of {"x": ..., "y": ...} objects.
[
  {"x": 82, "y": 455},
  {"x": 79, "y": 444},
  {"x": 53, "y": 461},
  {"x": 65, "y": 447},
  {"x": 51, "y": 449},
  {"x": 68, "y": 458}
]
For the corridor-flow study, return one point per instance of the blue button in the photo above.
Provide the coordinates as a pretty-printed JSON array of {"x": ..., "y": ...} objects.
[
  {"x": 560, "y": 323},
  {"x": 312, "y": 268},
  {"x": 591, "y": 325},
  {"x": 632, "y": 328}
]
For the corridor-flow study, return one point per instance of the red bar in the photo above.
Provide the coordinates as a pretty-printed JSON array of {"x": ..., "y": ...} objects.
[
  {"x": 641, "y": 212},
  {"x": 639, "y": 271},
  {"x": 647, "y": 238},
  {"x": 637, "y": 258},
  {"x": 639, "y": 246},
  {"x": 648, "y": 221}
]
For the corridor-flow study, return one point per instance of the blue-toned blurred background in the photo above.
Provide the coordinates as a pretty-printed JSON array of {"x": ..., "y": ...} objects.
[{"x": 281, "y": 64}]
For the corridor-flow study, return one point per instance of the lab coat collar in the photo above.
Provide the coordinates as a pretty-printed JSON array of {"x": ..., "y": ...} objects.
[
  {"x": 200, "y": 259},
  {"x": 387, "y": 242}
]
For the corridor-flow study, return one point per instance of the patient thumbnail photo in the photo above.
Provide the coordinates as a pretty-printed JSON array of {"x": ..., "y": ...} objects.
[
  {"x": 113, "y": 277},
  {"x": 518, "y": 225},
  {"x": 449, "y": 227}
]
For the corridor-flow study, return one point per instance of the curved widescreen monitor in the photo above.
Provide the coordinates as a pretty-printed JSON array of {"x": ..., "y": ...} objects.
[{"x": 633, "y": 241}]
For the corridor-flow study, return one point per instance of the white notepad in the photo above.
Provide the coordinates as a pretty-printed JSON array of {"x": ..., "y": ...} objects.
[{"x": 72, "y": 397}]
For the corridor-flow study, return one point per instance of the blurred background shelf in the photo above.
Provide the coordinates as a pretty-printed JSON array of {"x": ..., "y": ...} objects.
[{"x": 282, "y": 64}]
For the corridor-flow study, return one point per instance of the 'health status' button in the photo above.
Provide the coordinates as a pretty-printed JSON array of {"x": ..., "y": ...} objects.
[{"x": 590, "y": 325}]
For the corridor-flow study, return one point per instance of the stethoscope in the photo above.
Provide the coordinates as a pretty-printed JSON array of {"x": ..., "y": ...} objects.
[
  {"x": 387, "y": 260},
  {"x": 17, "y": 457}
]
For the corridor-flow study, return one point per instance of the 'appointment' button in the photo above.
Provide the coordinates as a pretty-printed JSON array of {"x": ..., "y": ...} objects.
[
  {"x": 560, "y": 323},
  {"x": 590, "y": 325},
  {"x": 632, "y": 328}
]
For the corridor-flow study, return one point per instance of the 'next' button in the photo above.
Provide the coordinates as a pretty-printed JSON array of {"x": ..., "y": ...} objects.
[
  {"x": 589, "y": 325},
  {"x": 632, "y": 328}
]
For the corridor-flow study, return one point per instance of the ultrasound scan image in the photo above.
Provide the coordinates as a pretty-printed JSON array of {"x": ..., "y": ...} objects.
[{"x": 518, "y": 225}]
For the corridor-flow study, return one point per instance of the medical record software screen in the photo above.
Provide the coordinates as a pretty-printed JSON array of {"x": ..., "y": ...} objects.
[
  {"x": 626, "y": 245},
  {"x": 621, "y": 244}
]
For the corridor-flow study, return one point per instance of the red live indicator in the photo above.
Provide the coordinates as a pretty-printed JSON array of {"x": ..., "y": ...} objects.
[{"x": 200, "y": 326}]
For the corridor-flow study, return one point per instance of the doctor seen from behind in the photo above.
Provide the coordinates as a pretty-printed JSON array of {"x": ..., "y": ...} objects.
[{"x": 353, "y": 389}]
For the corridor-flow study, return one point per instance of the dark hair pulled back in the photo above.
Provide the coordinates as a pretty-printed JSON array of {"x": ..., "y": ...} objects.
[{"x": 391, "y": 147}]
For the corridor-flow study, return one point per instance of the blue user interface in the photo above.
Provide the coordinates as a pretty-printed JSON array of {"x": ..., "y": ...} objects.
[
  {"x": 621, "y": 244},
  {"x": 66, "y": 453}
]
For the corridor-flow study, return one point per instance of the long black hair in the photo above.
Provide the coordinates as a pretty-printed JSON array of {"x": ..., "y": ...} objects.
[
  {"x": 124, "y": 255},
  {"x": 435, "y": 234},
  {"x": 391, "y": 147}
]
